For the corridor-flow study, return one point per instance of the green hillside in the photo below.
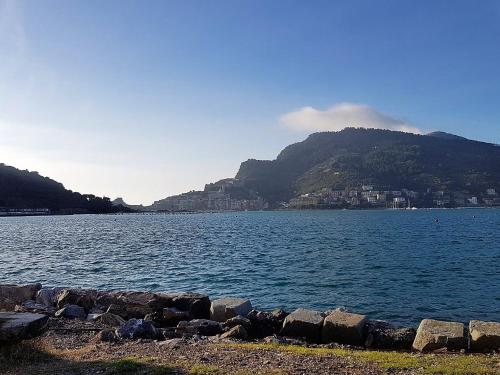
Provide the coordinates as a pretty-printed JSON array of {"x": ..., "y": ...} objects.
[{"x": 387, "y": 159}]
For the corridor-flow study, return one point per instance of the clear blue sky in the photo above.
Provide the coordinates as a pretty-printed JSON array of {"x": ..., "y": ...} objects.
[{"x": 144, "y": 99}]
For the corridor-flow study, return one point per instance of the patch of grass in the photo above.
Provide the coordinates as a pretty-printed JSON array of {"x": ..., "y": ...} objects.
[
  {"x": 129, "y": 365},
  {"x": 200, "y": 369},
  {"x": 430, "y": 364},
  {"x": 464, "y": 365},
  {"x": 135, "y": 365},
  {"x": 387, "y": 360}
]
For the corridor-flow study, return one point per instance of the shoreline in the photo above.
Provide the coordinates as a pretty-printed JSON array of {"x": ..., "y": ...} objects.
[
  {"x": 269, "y": 210},
  {"x": 83, "y": 331}
]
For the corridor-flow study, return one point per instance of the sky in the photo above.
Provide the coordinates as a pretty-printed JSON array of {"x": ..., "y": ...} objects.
[{"x": 143, "y": 100}]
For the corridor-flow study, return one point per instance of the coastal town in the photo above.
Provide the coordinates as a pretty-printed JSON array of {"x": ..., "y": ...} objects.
[
  {"x": 369, "y": 196},
  {"x": 225, "y": 195},
  {"x": 231, "y": 195}
]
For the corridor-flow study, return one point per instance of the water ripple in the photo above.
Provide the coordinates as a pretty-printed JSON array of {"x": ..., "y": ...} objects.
[{"x": 395, "y": 265}]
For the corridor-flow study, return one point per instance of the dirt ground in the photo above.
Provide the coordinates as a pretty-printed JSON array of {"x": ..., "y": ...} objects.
[{"x": 73, "y": 349}]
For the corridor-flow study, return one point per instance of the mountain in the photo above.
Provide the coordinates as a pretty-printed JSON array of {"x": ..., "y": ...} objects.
[
  {"x": 23, "y": 189},
  {"x": 387, "y": 159},
  {"x": 444, "y": 135}
]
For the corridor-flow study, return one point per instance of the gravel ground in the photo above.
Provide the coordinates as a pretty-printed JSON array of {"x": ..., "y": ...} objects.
[{"x": 71, "y": 348}]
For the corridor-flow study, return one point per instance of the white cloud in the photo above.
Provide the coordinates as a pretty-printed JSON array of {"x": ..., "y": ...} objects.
[{"x": 344, "y": 115}]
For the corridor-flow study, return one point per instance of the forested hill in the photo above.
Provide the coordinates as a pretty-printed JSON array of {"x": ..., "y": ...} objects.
[
  {"x": 389, "y": 159},
  {"x": 24, "y": 189}
]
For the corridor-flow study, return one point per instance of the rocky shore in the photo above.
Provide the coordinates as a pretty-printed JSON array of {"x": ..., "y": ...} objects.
[{"x": 173, "y": 319}]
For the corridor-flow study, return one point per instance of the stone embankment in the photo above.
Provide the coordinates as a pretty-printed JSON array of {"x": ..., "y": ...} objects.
[{"x": 169, "y": 316}]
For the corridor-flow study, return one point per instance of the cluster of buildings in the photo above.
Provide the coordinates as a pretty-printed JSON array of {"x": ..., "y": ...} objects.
[
  {"x": 225, "y": 195},
  {"x": 368, "y": 196},
  {"x": 4, "y": 211}
]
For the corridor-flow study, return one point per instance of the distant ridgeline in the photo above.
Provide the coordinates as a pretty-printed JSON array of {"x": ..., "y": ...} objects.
[
  {"x": 25, "y": 193},
  {"x": 370, "y": 167}
]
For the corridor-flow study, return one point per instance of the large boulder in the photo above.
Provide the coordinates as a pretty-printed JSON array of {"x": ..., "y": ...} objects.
[
  {"x": 484, "y": 336},
  {"x": 436, "y": 334},
  {"x": 382, "y": 335},
  {"x": 264, "y": 324},
  {"x": 203, "y": 327},
  {"x": 19, "y": 326},
  {"x": 138, "y": 329},
  {"x": 238, "y": 321},
  {"x": 71, "y": 312},
  {"x": 106, "y": 335},
  {"x": 85, "y": 298},
  {"x": 48, "y": 296},
  {"x": 237, "y": 332},
  {"x": 110, "y": 319},
  {"x": 227, "y": 308},
  {"x": 132, "y": 305},
  {"x": 303, "y": 323},
  {"x": 34, "y": 307},
  {"x": 198, "y": 305},
  {"x": 12, "y": 295},
  {"x": 172, "y": 316},
  {"x": 344, "y": 328}
]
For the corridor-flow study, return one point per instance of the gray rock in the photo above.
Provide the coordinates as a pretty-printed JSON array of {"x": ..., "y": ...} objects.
[
  {"x": 274, "y": 339},
  {"x": 383, "y": 335},
  {"x": 130, "y": 305},
  {"x": 110, "y": 319},
  {"x": 19, "y": 326},
  {"x": 172, "y": 316},
  {"x": 227, "y": 308},
  {"x": 343, "y": 328},
  {"x": 435, "y": 334},
  {"x": 48, "y": 296},
  {"x": 264, "y": 323},
  {"x": 169, "y": 333},
  {"x": 106, "y": 335},
  {"x": 12, "y": 295},
  {"x": 138, "y": 329},
  {"x": 173, "y": 343},
  {"x": 303, "y": 323},
  {"x": 238, "y": 321},
  {"x": 33, "y": 307},
  {"x": 202, "y": 327},
  {"x": 71, "y": 312},
  {"x": 198, "y": 305},
  {"x": 484, "y": 336},
  {"x": 238, "y": 332},
  {"x": 85, "y": 298}
]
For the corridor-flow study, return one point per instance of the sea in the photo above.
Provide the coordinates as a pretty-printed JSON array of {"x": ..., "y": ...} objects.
[{"x": 394, "y": 265}]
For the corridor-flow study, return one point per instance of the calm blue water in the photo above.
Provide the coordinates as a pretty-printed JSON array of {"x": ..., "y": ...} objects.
[{"x": 395, "y": 265}]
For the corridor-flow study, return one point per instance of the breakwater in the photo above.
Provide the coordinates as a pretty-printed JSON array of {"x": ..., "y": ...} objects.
[{"x": 123, "y": 315}]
